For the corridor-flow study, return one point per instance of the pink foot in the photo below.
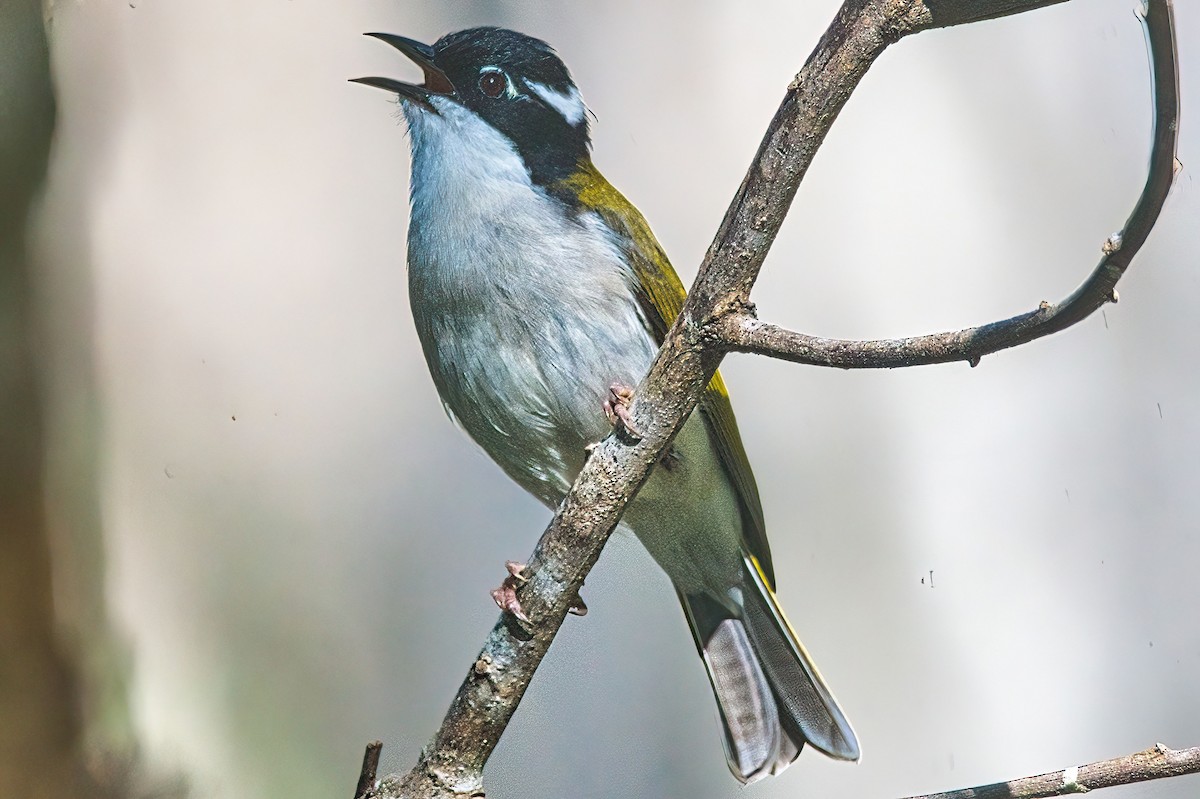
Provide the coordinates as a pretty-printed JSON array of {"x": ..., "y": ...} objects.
[
  {"x": 616, "y": 408},
  {"x": 506, "y": 599},
  {"x": 505, "y": 596}
]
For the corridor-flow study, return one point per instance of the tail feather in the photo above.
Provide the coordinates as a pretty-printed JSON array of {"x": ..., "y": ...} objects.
[
  {"x": 771, "y": 697},
  {"x": 756, "y": 743},
  {"x": 803, "y": 696}
]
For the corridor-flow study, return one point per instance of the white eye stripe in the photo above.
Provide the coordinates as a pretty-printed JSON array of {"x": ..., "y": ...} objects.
[{"x": 569, "y": 104}]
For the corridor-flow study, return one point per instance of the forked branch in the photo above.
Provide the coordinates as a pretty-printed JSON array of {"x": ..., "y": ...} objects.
[
  {"x": 743, "y": 332},
  {"x": 716, "y": 318}
]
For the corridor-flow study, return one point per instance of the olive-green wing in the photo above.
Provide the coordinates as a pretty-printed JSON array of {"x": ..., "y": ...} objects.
[
  {"x": 661, "y": 294},
  {"x": 718, "y": 412}
]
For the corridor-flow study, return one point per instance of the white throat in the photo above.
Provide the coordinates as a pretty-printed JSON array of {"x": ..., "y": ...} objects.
[{"x": 455, "y": 146}]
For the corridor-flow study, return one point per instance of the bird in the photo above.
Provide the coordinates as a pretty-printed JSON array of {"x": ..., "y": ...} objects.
[{"x": 540, "y": 295}]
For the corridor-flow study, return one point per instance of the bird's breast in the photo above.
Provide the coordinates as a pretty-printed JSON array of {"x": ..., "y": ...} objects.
[{"x": 526, "y": 316}]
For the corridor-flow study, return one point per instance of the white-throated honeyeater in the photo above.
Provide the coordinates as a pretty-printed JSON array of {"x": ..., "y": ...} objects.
[{"x": 539, "y": 293}]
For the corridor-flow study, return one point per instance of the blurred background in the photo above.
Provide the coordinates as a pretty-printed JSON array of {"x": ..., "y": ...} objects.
[{"x": 243, "y": 540}]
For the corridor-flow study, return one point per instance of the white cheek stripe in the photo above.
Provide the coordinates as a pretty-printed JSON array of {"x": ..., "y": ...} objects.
[{"x": 570, "y": 104}]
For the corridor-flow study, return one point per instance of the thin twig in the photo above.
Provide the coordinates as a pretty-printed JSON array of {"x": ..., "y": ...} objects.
[
  {"x": 743, "y": 332},
  {"x": 1152, "y": 764},
  {"x": 370, "y": 767},
  {"x": 956, "y": 12},
  {"x": 452, "y": 764}
]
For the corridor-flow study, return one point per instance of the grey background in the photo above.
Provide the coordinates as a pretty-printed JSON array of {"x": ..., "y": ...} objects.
[{"x": 299, "y": 544}]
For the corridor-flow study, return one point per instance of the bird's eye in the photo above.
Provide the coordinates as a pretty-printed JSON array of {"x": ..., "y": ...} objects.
[{"x": 492, "y": 83}]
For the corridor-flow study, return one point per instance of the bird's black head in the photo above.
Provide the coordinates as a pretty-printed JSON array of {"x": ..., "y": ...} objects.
[{"x": 514, "y": 82}]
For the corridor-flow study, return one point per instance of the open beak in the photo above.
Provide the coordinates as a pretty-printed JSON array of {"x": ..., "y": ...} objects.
[{"x": 422, "y": 55}]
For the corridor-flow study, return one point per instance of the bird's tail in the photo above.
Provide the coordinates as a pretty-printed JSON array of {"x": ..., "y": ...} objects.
[{"x": 771, "y": 697}]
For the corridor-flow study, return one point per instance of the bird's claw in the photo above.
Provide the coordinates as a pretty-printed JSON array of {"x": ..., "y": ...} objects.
[
  {"x": 616, "y": 408},
  {"x": 505, "y": 596},
  {"x": 516, "y": 570},
  {"x": 506, "y": 599}
]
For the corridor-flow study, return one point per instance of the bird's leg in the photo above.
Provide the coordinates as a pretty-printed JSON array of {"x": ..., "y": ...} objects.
[
  {"x": 616, "y": 408},
  {"x": 506, "y": 599},
  {"x": 505, "y": 596}
]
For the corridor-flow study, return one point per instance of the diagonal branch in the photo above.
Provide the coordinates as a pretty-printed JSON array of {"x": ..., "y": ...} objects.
[
  {"x": 743, "y": 332},
  {"x": 1152, "y": 764},
  {"x": 452, "y": 764}
]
